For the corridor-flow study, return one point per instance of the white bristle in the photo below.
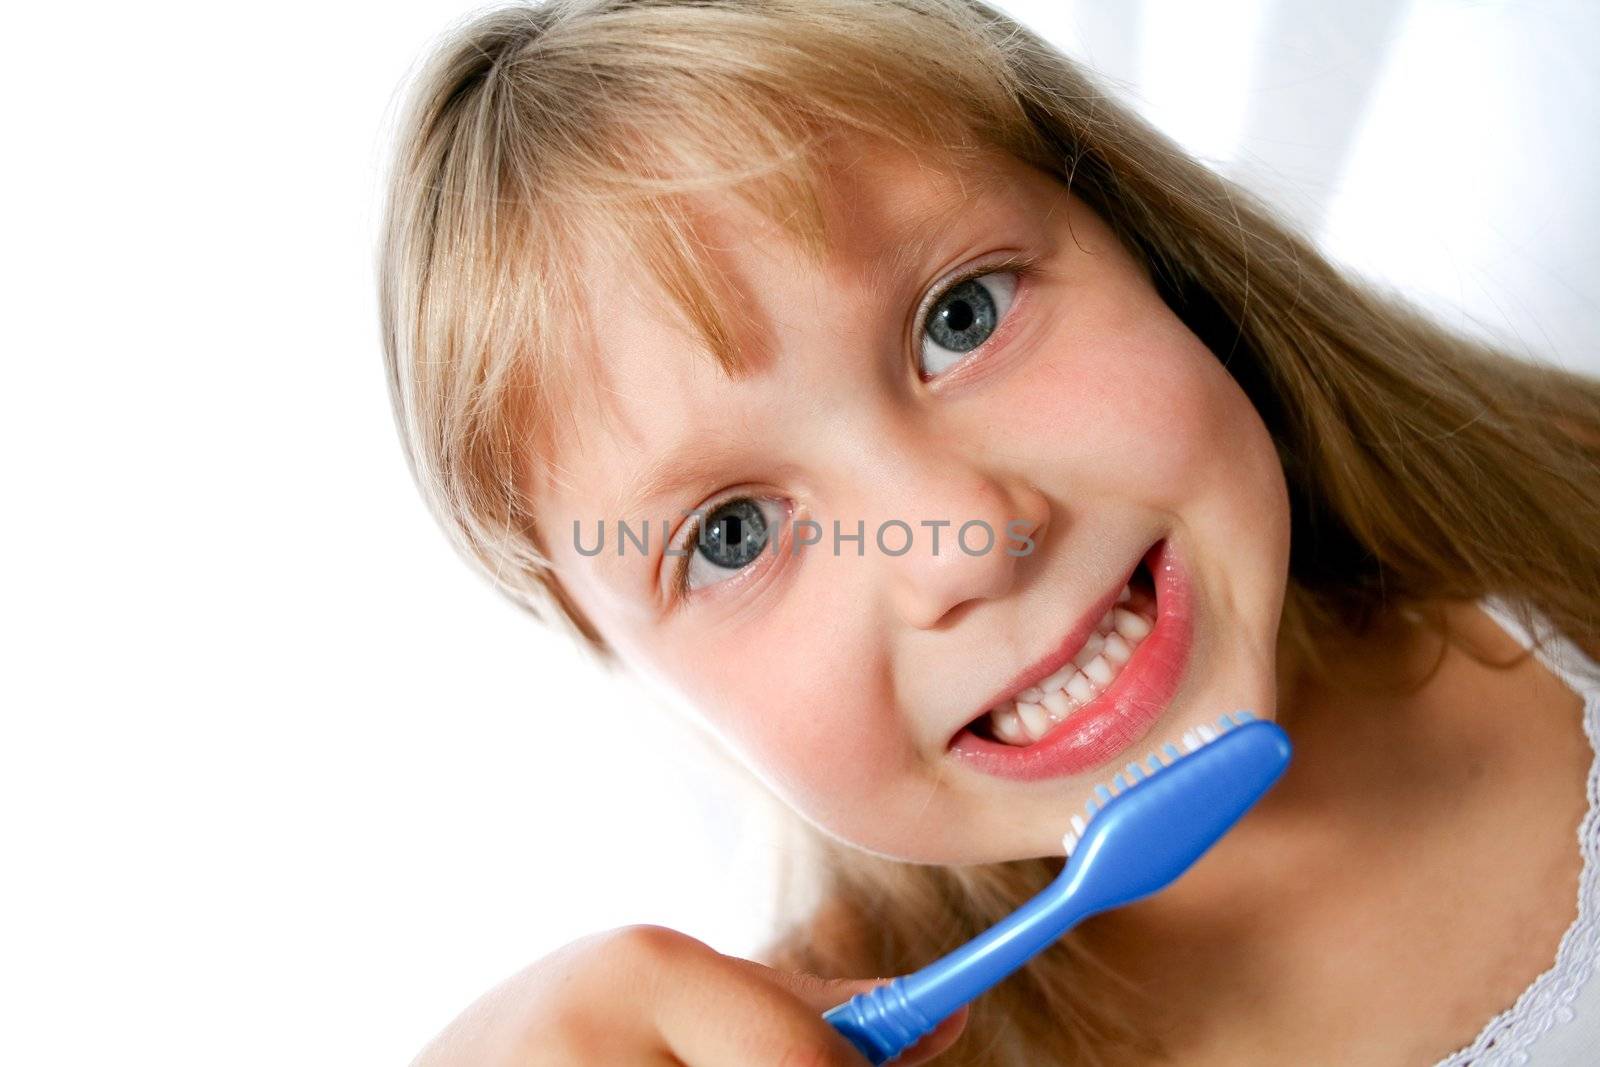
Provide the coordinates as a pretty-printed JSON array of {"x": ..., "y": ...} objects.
[{"x": 1136, "y": 772}]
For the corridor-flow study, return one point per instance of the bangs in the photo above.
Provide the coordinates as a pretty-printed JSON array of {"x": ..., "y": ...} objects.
[
  {"x": 659, "y": 222},
  {"x": 762, "y": 131}
]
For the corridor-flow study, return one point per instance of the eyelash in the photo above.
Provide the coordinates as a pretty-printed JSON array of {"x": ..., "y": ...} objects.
[
  {"x": 680, "y": 577},
  {"x": 1019, "y": 263},
  {"x": 691, "y": 538}
]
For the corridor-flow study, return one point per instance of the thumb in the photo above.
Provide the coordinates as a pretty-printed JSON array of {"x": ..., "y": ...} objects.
[{"x": 820, "y": 994}]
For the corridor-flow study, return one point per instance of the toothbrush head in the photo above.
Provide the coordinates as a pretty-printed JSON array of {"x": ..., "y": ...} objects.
[
  {"x": 1136, "y": 773},
  {"x": 1155, "y": 819}
]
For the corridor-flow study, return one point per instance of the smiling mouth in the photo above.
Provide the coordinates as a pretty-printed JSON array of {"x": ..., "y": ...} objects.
[
  {"x": 1110, "y": 691},
  {"x": 1039, "y": 709}
]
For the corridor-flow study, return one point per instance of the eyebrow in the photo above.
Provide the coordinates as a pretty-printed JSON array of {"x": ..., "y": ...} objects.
[
  {"x": 914, "y": 236},
  {"x": 681, "y": 467},
  {"x": 669, "y": 473}
]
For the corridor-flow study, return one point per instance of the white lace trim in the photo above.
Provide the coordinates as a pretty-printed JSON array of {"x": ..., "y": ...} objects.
[{"x": 1507, "y": 1037}]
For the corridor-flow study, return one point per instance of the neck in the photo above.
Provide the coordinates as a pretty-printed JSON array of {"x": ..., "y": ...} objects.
[{"x": 1361, "y": 738}]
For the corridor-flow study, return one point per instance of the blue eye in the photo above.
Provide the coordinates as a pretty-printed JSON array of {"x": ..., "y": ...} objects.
[
  {"x": 722, "y": 542},
  {"x": 963, "y": 317}
]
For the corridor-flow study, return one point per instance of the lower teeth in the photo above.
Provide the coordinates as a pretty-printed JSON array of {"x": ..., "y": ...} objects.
[{"x": 1028, "y": 722}]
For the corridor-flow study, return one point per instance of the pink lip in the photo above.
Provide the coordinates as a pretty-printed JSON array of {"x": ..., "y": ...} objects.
[{"x": 1096, "y": 733}]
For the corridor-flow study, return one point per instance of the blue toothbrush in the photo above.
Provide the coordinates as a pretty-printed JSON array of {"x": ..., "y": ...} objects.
[{"x": 1143, "y": 831}]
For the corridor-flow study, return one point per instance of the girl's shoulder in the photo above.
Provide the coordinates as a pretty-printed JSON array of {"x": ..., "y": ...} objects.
[
  {"x": 1590, "y": 647},
  {"x": 1573, "y": 657},
  {"x": 1558, "y": 1012}
]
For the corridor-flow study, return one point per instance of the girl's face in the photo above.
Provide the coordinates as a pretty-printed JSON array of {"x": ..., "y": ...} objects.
[{"x": 1054, "y": 400}]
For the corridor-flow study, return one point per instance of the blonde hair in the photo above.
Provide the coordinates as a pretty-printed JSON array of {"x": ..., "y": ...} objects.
[{"x": 1422, "y": 465}]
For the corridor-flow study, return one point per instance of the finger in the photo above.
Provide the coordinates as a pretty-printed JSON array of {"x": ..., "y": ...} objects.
[
  {"x": 712, "y": 1010},
  {"x": 813, "y": 990},
  {"x": 937, "y": 1041},
  {"x": 821, "y": 994}
]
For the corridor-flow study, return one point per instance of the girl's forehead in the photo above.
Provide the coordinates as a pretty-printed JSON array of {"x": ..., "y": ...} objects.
[
  {"x": 878, "y": 206},
  {"x": 869, "y": 197},
  {"x": 643, "y": 369}
]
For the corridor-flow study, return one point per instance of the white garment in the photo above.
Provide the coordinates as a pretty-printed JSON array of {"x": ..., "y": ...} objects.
[{"x": 1555, "y": 1022}]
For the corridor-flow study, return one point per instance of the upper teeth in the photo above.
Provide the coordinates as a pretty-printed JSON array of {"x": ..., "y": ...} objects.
[{"x": 1039, "y": 708}]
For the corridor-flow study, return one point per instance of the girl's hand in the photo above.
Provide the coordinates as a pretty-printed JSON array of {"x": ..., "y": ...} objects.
[{"x": 654, "y": 997}]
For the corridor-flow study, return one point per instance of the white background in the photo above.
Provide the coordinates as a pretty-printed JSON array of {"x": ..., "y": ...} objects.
[{"x": 281, "y": 781}]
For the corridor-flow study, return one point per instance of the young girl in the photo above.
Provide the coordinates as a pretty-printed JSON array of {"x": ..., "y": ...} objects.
[{"x": 821, "y": 290}]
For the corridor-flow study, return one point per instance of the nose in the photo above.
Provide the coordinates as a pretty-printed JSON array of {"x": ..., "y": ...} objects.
[{"x": 965, "y": 532}]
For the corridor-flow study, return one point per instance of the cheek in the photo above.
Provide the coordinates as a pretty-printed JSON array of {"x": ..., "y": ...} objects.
[
  {"x": 805, "y": 703},
  {"x": 1126, "y": 406},
  {"x": 1139, "y": 407}
]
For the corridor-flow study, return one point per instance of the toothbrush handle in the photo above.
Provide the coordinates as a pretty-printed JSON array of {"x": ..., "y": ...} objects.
[{"x": 881, "y": 1023}]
